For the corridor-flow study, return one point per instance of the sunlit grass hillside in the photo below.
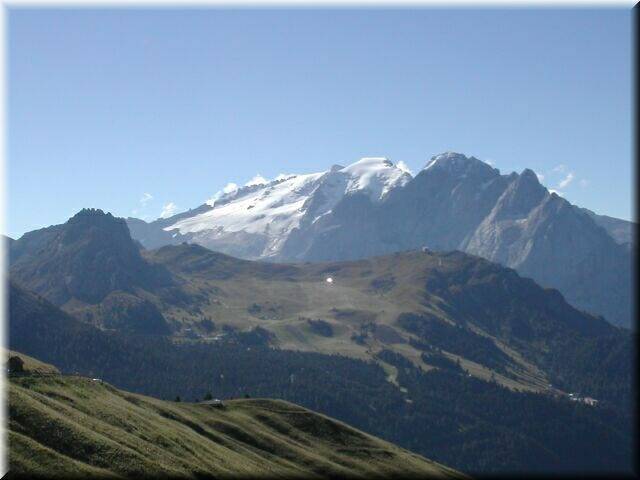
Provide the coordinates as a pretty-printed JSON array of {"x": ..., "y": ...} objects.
[{"x": 64, "y": 425}]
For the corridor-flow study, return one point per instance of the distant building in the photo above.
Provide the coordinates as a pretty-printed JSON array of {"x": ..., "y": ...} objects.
[
  {"x": 216, "y": 403},
  {"x": 587, "y": 400}
]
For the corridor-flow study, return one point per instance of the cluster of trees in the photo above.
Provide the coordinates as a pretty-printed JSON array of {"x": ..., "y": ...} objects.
[
  {"x": 320, "y": 327},
  {"x": 207, "y": 325},
  {"x": 394, "y": 358},
  {"x": 437, "y": 334}
]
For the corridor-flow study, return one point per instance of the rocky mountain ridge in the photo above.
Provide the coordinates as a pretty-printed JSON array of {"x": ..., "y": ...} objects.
[{"x": 456, "y": 202}]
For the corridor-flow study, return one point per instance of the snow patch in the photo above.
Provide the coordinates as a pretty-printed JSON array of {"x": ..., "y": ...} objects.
[
  {"x": 375, "y": 175},
  {"x": 404, "y": 167}
]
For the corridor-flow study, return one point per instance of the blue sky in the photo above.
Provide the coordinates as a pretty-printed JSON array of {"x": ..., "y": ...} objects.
[{"x": 133, "y": 110}]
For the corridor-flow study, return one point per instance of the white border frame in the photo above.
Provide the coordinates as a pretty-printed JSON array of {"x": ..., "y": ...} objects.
[{"x": 6, "y": 5}]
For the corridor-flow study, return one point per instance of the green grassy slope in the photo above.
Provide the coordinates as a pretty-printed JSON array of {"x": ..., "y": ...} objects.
[
  {"x": 62, "y": 425},
  {"x": 31, "y": 364}
]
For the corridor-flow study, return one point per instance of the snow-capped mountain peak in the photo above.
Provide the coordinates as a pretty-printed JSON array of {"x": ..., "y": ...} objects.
[
  {"x": 270, "y": 210},
  {"x": 375, "y": 175},
  {"x": 454, "y": 162},
  {"x": 458, "y": 167}
]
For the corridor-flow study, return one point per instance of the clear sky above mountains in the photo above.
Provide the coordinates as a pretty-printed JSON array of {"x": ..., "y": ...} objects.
[{"x": 140, "y": 111}]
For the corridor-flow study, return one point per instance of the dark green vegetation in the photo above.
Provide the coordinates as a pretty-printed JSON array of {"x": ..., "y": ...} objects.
[
  {"x": 415, "y": 347},
  {"x": 61, "y": 426},
  {"x": 321, "y": 327},
  {"x": 458, "y": 339},
  {"x": 469, "y": 424},
  {"x": 499, "y": 429}
]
